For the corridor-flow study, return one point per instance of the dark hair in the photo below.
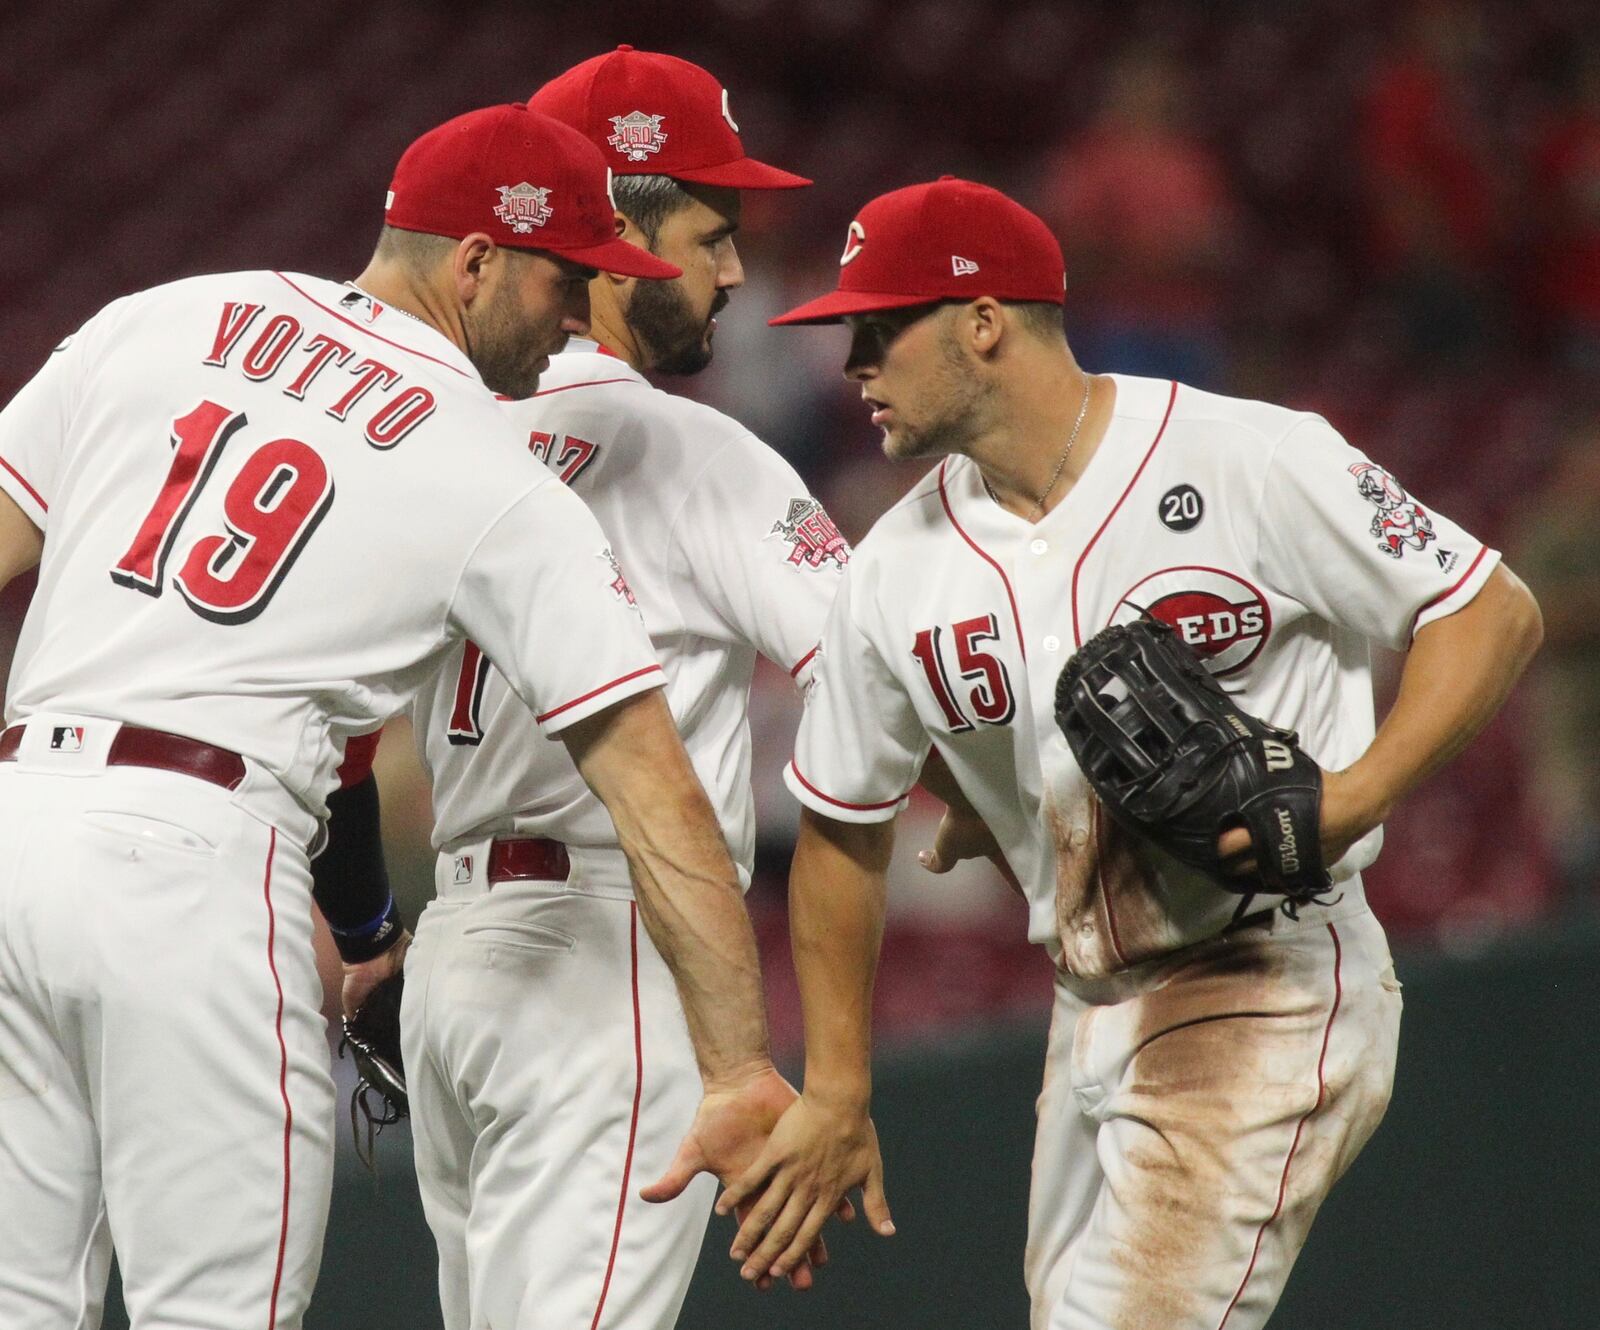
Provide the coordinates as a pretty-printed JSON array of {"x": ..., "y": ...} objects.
[
  {"x": 1042, "y": 318},
  {"x": 648, "y": 200},
  {"x": 416, "y": 250}
]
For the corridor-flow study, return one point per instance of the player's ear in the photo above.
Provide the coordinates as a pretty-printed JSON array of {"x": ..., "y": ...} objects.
[
  {"x": 983, "y": 325},
  {"x": 470, "y": 263}
]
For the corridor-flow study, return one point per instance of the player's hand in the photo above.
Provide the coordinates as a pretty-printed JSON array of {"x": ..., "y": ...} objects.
[
  {"x": 726, "y": 1137},
  {"x": 962, "y": 835},
  {"x": 1347, "y": 815},
  {"x": 359, "y": 980},
  {"x": 816, "y": 1155}
]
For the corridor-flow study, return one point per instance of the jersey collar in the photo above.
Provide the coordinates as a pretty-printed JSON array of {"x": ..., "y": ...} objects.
[{"x": 382, "y": 322}]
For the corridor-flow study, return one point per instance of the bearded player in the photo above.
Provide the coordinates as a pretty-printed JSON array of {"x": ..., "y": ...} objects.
[
  {"x": 549, "y": 1068},
  {"x": 1213, "y": 1067},
  {"x": 267, "y": 505}
]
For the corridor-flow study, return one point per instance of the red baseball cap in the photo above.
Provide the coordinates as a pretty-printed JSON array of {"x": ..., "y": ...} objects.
[
  {"x": 525, "y": 180},
  {"x": 654, "y": 114},
  {"x": 947, "y": 240}
]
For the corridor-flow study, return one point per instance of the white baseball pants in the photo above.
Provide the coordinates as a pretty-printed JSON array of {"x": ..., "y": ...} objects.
[
  {"x": 1192, "y": 1123},
  {"x": 551, "y": 1076},
  {"x": 164, "y": 1080}
]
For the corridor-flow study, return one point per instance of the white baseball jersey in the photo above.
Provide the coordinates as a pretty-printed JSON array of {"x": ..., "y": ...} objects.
[
  {"x": 727, "y": 555},
  {"x": 1274, "y": 547},
  {"x": 272, "y": 505}
]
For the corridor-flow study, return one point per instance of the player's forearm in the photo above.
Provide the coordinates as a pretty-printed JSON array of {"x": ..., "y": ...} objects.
[
  {"x": 685, "y": 883},
  {"x": 691, "y": 904},
  {"x": 1457, "y": 675},
  {"x": 836, "y": 906},
  {"x": 21, "y": 542}
]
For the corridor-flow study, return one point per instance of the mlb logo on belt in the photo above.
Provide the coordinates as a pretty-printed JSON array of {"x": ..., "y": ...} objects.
[
  {"x": 66, "y": 739},
  {"x": 463, "y": 870}
]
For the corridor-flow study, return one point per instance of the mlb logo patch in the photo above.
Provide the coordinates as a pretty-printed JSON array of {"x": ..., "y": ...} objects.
[
  {"x": 463, "y": 870},
  {"x": 66, "y": 739}
]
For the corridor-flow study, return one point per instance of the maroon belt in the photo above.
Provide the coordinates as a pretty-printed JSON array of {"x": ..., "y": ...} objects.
[
  {"x": 527, "y": 859},
  {"x": 134, "y": 746}
]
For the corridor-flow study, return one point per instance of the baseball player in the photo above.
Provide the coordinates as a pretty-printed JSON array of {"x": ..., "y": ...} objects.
[
  {"x": 549, "y": 1069},
  {"x": 1209, "y": 1074},
  {"x": 268, "y": 506}
]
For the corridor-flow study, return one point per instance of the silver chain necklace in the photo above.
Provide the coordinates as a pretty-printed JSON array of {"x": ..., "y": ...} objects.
[
  {"x": 387, "y": 305},
  {"x": 1061, "y": 465}
]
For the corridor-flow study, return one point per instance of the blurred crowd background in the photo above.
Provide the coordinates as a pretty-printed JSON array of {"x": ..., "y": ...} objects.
[{"x": 1387, "y": 211}]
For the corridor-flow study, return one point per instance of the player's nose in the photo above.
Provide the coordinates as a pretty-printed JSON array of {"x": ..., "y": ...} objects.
[
  {"x": 575, "y": 317},
  {"x": 730, "y": 271}
]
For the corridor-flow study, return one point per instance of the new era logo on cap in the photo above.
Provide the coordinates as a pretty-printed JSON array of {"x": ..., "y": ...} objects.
[{"x": 948, "y": 239}]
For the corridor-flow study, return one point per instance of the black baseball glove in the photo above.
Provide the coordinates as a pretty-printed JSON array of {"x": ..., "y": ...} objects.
[
  {"x": 373, "y": 1037},
  {"x": 1173, "y": 758}
]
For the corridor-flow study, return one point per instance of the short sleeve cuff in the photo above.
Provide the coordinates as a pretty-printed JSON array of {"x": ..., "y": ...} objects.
[
  {"x": 1461, "y": 591},
  {"x": 32, "y": 503},
  {"x": 598, "y": 699},
  {"x": 838, "y": 809}
]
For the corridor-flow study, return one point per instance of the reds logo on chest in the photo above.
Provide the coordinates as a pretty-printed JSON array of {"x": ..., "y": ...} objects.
[{"x": 1221, "y": 616}]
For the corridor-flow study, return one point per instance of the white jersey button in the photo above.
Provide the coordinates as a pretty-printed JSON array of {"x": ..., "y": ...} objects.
[
  {"x": 1078, "y": 838},
  {"x": 1086, "y": 930},
  {"x": 1052, "y": 643},
  {"x": 1039, "y": 546}
]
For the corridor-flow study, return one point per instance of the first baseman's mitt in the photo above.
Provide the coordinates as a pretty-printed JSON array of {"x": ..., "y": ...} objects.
[
  {"x": 1173, "y": 758},
  {"x": 373, "y": 1037}
]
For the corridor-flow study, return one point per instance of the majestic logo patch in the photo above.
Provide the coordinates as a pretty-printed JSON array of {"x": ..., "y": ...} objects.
[
  {"x": 638, "y": 136},
  {"x": 619, "y": 584},
  {"x": 66, "y": 739},
  {"x": 523, "y": 207},
  {"x": 1181, "y": 508},
  {"x": 961, "y": 267},
  {"x": 854, "y": 238},
  {"x": 813, "y": 538},
  {"x": 1222, "y": 617},
  {"x": 1400, "y": 523}
]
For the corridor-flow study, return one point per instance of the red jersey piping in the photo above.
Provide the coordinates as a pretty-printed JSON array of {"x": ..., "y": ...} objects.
[
  {"x": 587, "y": 383},
  {"x": 983, "y": 554},
  {"x": 633, "y": 1124},
  {"x": 1322, "y": 1093},
  {"x": 23, "y": 481},
  {"x": 1077, "y": 633},
  {"x": 595, "y": 692},
  {"x": 840, "y": 803},
  {"x": 1443, "y": 595},
  {"x": 400, "y": 346}
]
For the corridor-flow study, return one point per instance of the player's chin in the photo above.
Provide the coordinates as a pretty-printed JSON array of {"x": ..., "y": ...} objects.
[{"x": 901, "y": 445}]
